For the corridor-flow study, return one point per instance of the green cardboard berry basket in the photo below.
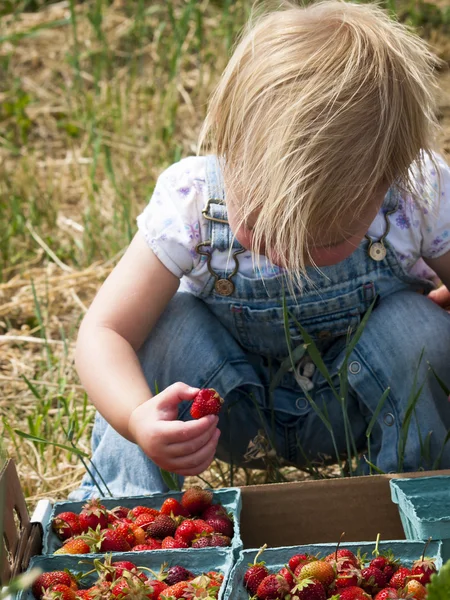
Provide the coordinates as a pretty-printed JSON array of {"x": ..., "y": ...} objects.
[
  {"x": 424, "y": 507},
  {"x": 229, "y": 498},
  {"x": 276, "y": 558},
  {"x": 199, "y": 561}
]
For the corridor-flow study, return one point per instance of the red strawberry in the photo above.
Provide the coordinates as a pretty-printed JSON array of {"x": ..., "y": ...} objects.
[
  {"x": 84, "y": 594},
  {"x": 353, "y": 593},
  {"x": 143, "y": 520},
  {"x": 161, "y": 527},
  {"x": 174, "y": 591},
  {"x": 309, "y": 589},
  {"x": 143, "y": 510},
  {"x": 424, "y": 569},
  {"x": 66, "y": 525},
  {"x": 186, "y": 531},
  {"x": 92, "y": 515},
  {"x": 287, "y": 574},
  {"x": 206, "y": 402},
  {"x": 202, "y": 542},
  {"x": 343, "y": 555},
  {"x": 373, "y": 580},
  {"x": 347, "y": 578},
  {"x": 317, "y": 569},
  {"x": 195, "y": 500},
  {"x": 217, "y": 539},
  {"x": 399, "y": 578},
  {"x": 156, "y": 545},
  {"x": 202, "y": 526},
  {"x": 214, "y": 510},
  {"x": 170, "y": 542},
  {"x": 75, "y": 545},
  {"x": 222, "y": 525},
  {"x": 59, "y": 591},
  {"x": 157, "y": 586},
  {"x": 117, "y": 569},
  {"x": 131, "y": 587},
  {"x": 176, "y": 574},
  {"x": 173, "y": 508},
  {"x": 138, "y": 534},
  {"x": 387, "y": 563},
  {"x": 46, "y": 580},
  {"x": 273, "y": 587},
  {"x": 253, "y": 577},
  {"x": 112, "y": 540},
  {"x": 388, "y": 594},
  {"x": 297, "y": 559},
  {"x": 118, "y": 512}
]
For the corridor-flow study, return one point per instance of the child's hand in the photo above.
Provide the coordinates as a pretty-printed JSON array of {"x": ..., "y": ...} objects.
[
  {"x": 179, "y": 447},
  {"x": 441, "y": 296}
]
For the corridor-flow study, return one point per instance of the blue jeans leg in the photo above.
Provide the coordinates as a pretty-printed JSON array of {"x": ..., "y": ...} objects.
[
  {"x": 388, "y": 354},
  {"x": 188, "y": 344}
]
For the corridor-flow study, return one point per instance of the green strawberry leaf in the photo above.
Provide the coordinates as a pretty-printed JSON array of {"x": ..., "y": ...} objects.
[{"x": 170, "y": 480}]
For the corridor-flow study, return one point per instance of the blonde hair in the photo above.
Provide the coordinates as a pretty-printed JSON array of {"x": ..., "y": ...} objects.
[{"x": 318, "y": 107}]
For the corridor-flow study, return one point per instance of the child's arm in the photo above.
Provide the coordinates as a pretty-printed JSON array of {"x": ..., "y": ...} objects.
[
  {"x": 441, "y": 266},
  {"x": 123, "y": 313}
]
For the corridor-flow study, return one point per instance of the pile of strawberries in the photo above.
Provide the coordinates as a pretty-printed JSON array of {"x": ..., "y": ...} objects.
[
  {"x": 192, "y": 523},
  {"x": 340, "y": 576},
  {"x": 124, "y": 580}
]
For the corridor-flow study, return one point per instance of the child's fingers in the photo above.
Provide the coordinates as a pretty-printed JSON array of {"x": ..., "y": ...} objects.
[
  {"x": 197, "y": 462},
  {"x": 191, "y": 446},
  {"x": 168, "y": 400},
  {"x": 441, "y": 296},
  {"x": 175, "y": 432}
]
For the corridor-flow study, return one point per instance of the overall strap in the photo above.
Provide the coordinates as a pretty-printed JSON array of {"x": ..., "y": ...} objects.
[{"x": 215, "y": 211}]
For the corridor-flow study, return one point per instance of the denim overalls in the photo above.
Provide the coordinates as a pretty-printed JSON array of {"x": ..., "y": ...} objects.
[{"x": 232, "y": 337}]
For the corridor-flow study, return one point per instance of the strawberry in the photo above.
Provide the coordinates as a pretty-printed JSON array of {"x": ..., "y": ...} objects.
[
  {"x": 130, "y": 588},
  {"x": 66, "y": 525},
  {"x": 144, "y": 547},
  {"x": 416, "y": 589},
  {"x": 173, "y": 508},
  {"x": 373, "y": 580},
  {"x": 218, "y": 539},
  {"x": 157, "y": 586},
  {"x": 424, "y": 569},
  {"x": 138, "y": 533},
  {"x": 84, "y": 594},
  {"x": 186, "y": 531},
  {"x": 343, "y": 555},
  {"x": 273, "y": 587},
  {"x": 399, "y": 578},
  {"x": 388, "y": 594},
  {"x": 297, "y": 559},
  {"x": 170, "y": 542},
  {"x": 309, "y": 589},
  {"x": 221, "y": 525},
  {"x": 113, "y": 540},
  {"x": 202, "y": 542},
  {"x": 76, "y": 545},
  {"x": 118, "y": 512},
  {"x": 347, "y": 578},
  {"x": 174, "y": 591},
  {"x": 143, "y": 520},
  {"x": 318, "y": 569},
  {"x": 142, "y": 510},
  {"x": 161, "y": 527},
  {"x": 92, "y": 515},
  {"x": 59, "y": 591},
  {"x": 353, "y": 593},
  {"x": 195, "y": 500},
  {"x": 212, "y": 511},
  {"x": 254, "y": 575},
  {"x": 176, "y": 574},
  {"x": 116, "y": 569},
  {"x": 46, "y": 580},
  {"x": 206, "y": 402},
  {"x": 202, "y": 527},
  {"x": 287, "y": 574}
]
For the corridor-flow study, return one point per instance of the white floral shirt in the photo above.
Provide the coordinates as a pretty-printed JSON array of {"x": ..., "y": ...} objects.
[{"x": 173, "y": 225}]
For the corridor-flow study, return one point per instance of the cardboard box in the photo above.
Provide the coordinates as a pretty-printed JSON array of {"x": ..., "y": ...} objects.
[
  {"x": 21, "y": 538},
  {"x": 319, "y": 511}
]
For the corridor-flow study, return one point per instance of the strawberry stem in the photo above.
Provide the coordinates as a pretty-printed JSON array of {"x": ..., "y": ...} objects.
[
  {"x": 260, "y": 551},
  {"x": 427, "y": 543},
  {"x": 338, "y": 544},
  {"x": 375, "y": 551}
]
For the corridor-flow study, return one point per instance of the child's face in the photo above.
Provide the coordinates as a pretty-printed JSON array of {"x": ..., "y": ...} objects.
[{"x": 325, "y": 252}]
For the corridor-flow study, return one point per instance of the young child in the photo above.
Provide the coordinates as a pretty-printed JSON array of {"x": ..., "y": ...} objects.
[{"x": 321, "y": 194}]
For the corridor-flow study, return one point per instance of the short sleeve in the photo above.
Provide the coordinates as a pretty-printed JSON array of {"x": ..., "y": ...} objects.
[
  {"x": 436, "y": 218},
  {"x": 170, "y": 222}
]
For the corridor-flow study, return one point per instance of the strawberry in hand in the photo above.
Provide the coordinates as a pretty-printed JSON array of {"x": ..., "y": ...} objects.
[{"x": 206, "y": 402}]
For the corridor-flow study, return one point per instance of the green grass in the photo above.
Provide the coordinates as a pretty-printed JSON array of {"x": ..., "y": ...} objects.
[{"x": 96, "y": 98}]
